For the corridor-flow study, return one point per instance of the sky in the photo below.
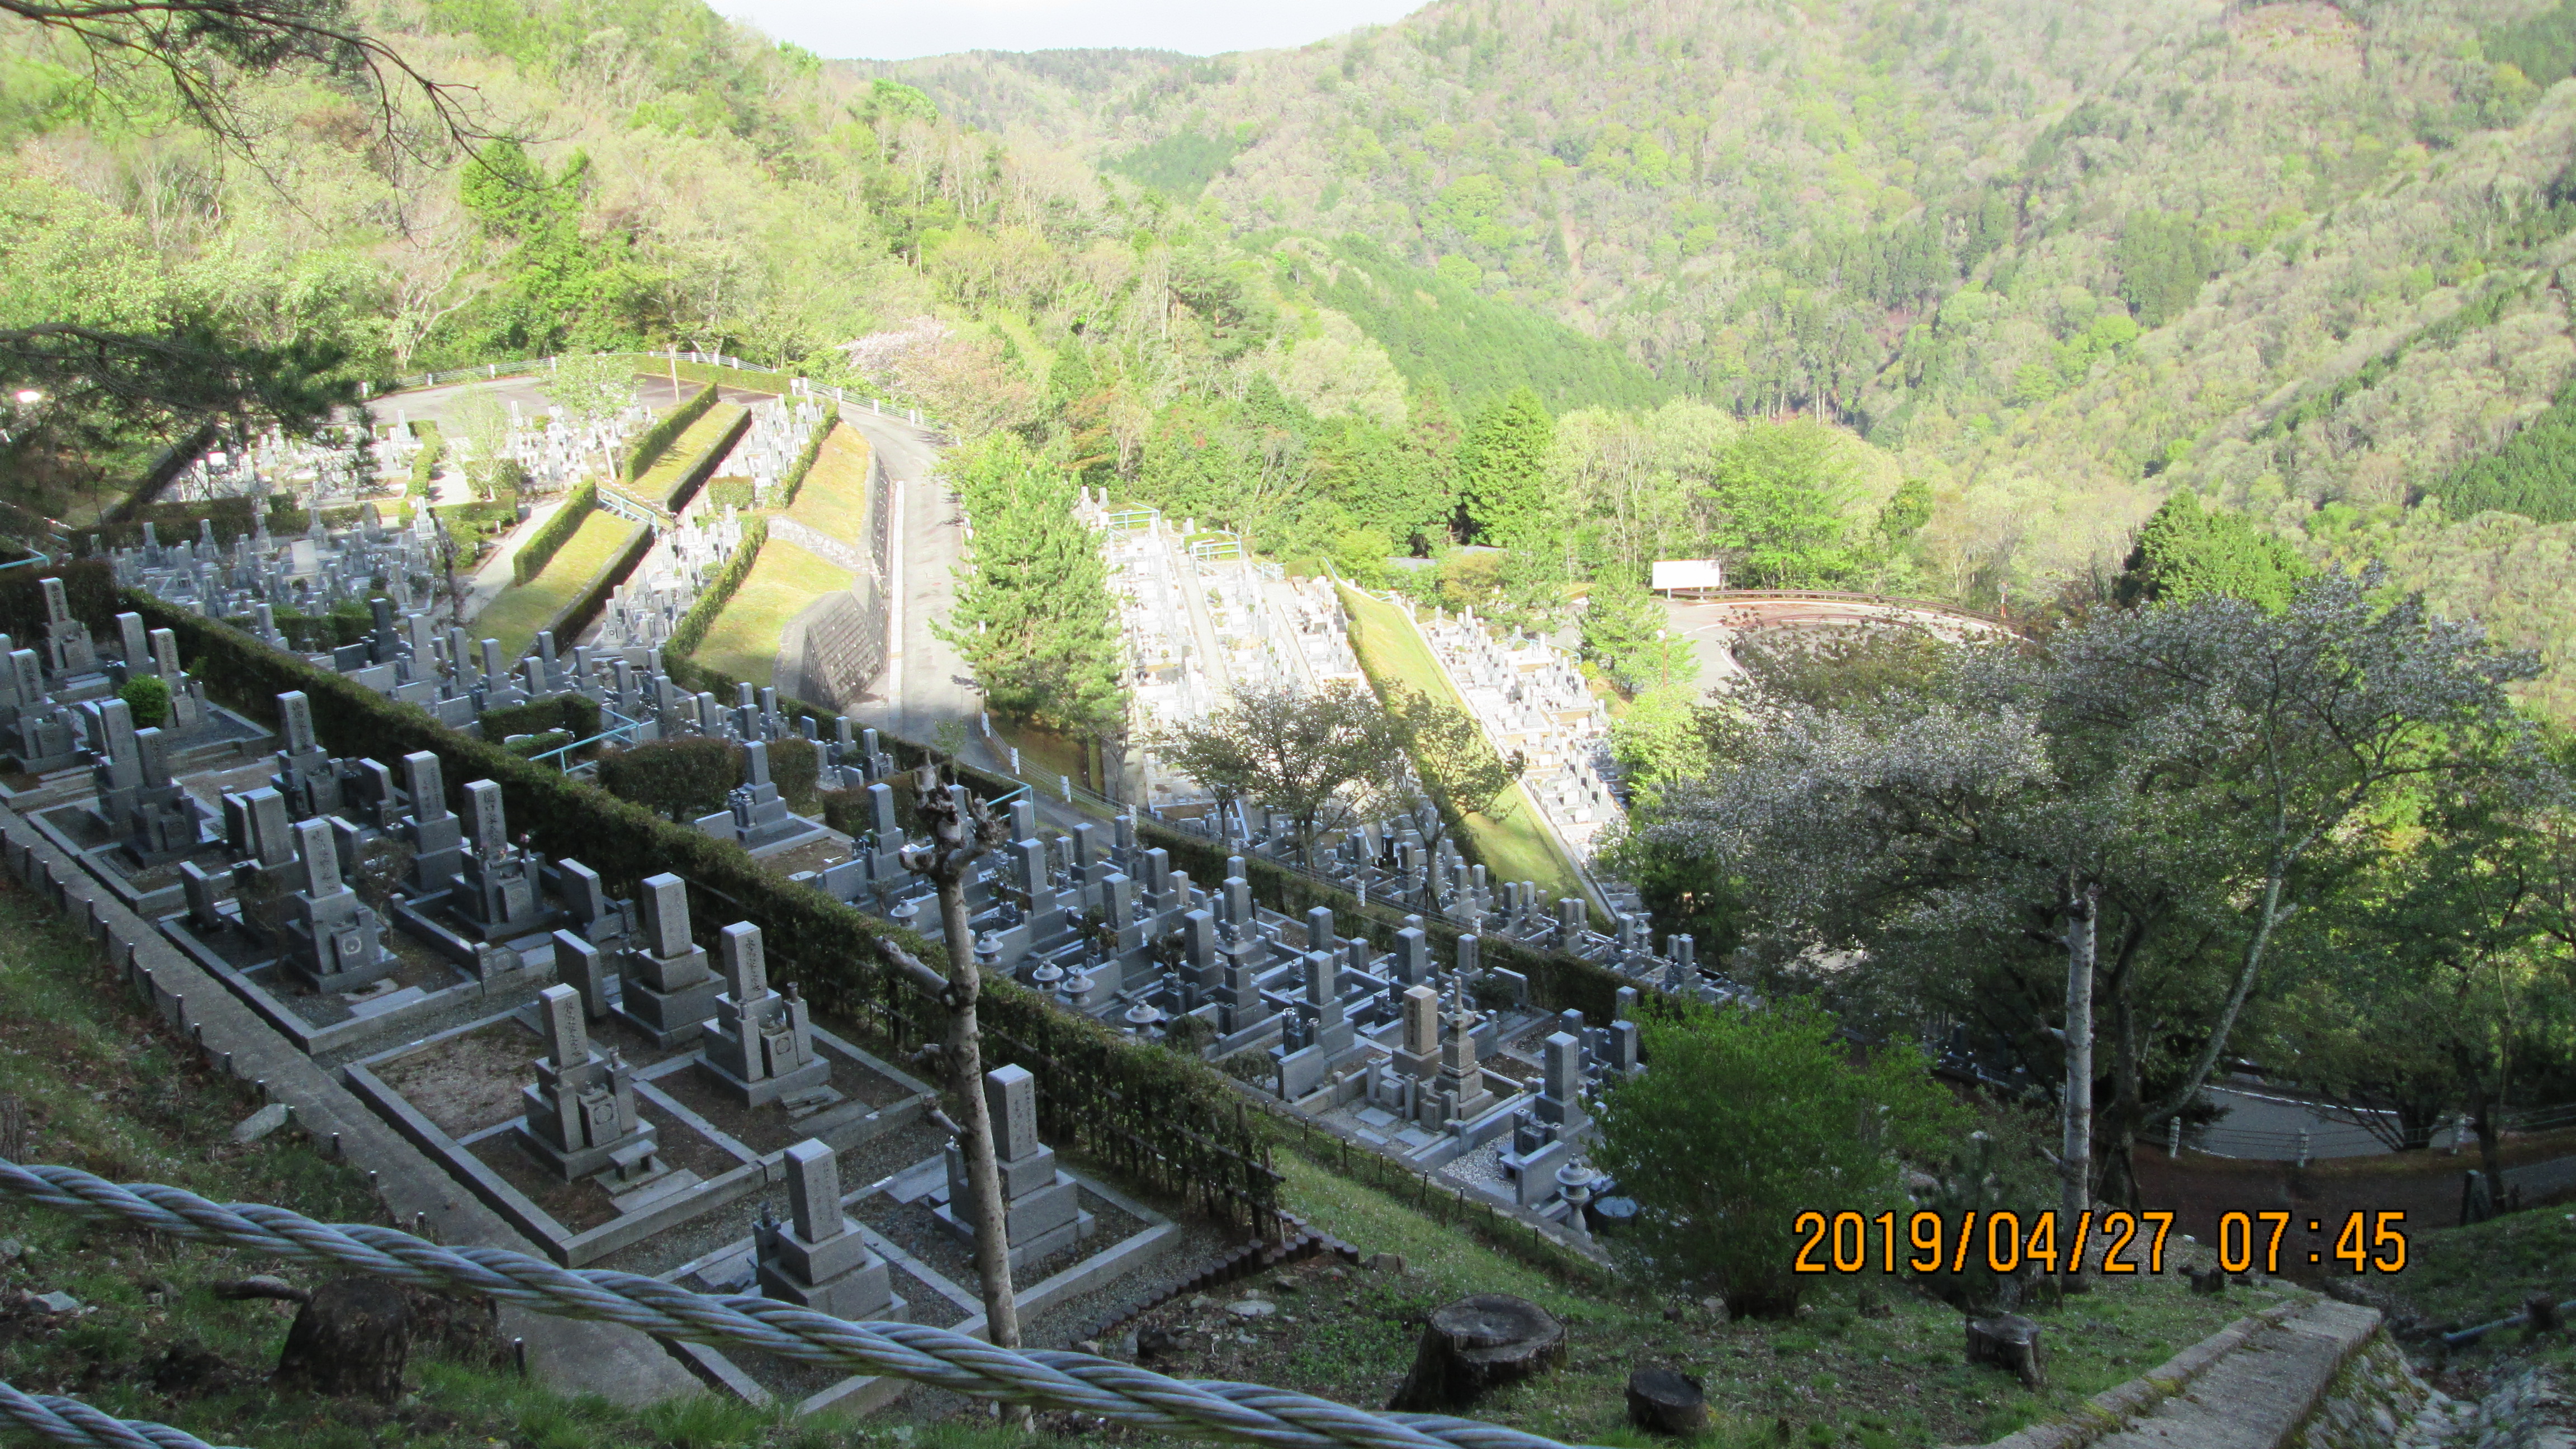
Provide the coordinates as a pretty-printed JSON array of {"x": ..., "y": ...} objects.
[{"x": 902, "y": 29}]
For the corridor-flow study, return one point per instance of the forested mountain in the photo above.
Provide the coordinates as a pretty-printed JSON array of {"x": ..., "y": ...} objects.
[{"x": 2060, "y": 257}]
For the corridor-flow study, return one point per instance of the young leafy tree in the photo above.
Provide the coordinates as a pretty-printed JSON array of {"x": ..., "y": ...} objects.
[
  {"x": 2175, "y": 783},
  {"x": 1325, "y": 760},
  {"x": 1745, "y": 1118},
  {"x": 1502, "y": 471},
  {"x": 1780, "y": 497},
  {"x": 1625, "y": 632},
  {"x": 1458, "y": 769},
  {"x": 1033, "y": 616}
]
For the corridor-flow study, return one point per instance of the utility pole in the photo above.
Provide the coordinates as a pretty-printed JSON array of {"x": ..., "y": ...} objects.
[{"x": 962, "y": 828}]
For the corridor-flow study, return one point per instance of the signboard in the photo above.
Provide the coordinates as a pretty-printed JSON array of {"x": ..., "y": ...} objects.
[{"x": 1688, "y": 573}]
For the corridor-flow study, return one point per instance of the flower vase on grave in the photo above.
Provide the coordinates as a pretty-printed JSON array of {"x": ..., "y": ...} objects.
[
  {"x": 759, "y": 1046},
  {"x": 580, "y": 1116}
]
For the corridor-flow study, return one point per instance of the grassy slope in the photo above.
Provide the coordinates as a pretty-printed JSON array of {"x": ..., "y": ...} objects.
[
  {"x": 1515, "y": 847},
  {"x": 1829, "y": 1377},
  {"x": 663, "y": 478},
  {"x": 785, "y": 579},
  {"x": 834, "y": 498},
  {"x": 518, "y": 612}
]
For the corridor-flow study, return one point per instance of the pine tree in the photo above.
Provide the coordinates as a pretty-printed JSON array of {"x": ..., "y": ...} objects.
[
  {"x": 1033, "y": 616},
  {"x": 2185, "y": 552},
  {"x": 1502, "y": 471}
]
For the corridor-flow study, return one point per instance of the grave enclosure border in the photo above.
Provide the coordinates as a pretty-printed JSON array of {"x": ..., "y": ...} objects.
[{"x": 1168, "y": 1121}]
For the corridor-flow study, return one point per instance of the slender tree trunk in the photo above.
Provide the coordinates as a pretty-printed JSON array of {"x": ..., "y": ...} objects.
[
  {"x": 2076, "y": 1190},
  {"x": 966, "y": 1083}
]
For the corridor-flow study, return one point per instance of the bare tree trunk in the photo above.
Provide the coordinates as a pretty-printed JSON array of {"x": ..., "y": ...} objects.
[
  {"x": 2076, "y": 1160},
  {"x": 966, "y": 1082}
]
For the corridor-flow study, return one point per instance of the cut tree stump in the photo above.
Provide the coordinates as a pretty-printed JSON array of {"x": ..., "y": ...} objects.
[
  {"x": 1666, "y": 1402},
  {"x": 2009, "y": 1342},
  {"x": 2540, "y": 1313},
  {"x": 1477, "y": 1344},
  {"x": 352, "y": 1337}
]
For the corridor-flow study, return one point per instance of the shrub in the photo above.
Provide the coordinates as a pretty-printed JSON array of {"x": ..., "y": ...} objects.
[
  {"x": 1745, "y": 1119},
  {"x": 736, "y": 492},
  {"x": 147, "y": 698},
  {"x": 681, "y": 779},
  {"x": 572, "y": 713},
  {"x": 528, "y": 747},
  {"x": 542, "y": 545},
  {"x": 804, "y": 464},
  {"x": 794, "y": 767},
  {"x": 424, "y": 464},
  {"x": 666, "y": 429}
]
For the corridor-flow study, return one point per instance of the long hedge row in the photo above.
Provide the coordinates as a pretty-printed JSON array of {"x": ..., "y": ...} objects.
[
  {"x": 1168, "y": 1120},
  {"x": 584, "y": 608},
  {"x": 804, "y": 463},
  {"x": 691, "y": 459},
  {"x": 531, "y": 558},
  {"x": 651, "y": 443},
  {"x": 692, "y": 629}
]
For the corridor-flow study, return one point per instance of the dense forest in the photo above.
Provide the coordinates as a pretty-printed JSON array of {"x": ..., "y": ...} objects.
[{"x": 2057, "y": 260}]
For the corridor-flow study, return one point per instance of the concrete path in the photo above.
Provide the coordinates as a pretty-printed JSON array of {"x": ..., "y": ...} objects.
[{"x": 2255, "y": 1396}]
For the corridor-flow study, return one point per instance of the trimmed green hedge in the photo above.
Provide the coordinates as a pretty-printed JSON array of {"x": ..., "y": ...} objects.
[
  {"x": 692, "y": 629},
  {"x": 691, "y": 458},
  {"x": 586, "y": 606},
  {"x": 574, "y": 713},
  {"x": 541, "y": 545},
  {"x": 1166, "y": 1120},
  {"x": 804, "y": 463},
  {"x": 665, "y": 430},
  {"x": 424, "y": 464}
]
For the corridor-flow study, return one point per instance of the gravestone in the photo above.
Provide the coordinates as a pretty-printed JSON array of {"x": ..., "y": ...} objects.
[
  {"x": 1042, "y": 1212},
  {"x": 670, "y": 990},
  {"x": 580, "y": 1116},
  {"x": 759, "y": 1046},
  {"x": 818, "y": 1259}
]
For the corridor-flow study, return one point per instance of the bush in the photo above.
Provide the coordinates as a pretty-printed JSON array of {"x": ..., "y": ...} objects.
[
  {"x": 1745, "y": 1119},
  {"x": 691, "y": 631},
  {"x": 147, "y": 699},
  {"x": 666, "y": 429},
  {"x": 794, "y": 767},
  {"x": 804, "y": 463},
  {"x": 572, "y": 714},
  {"x": 542, "y": 545},
  {"x": 730, "y": 491},
  {"x": 528, "y": 747},
  {"x": 682, "y": 779},
  {"x": 424, "y": 464}
]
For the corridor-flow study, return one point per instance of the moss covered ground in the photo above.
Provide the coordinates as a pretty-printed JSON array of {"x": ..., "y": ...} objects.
[
  {"x": 516, "y": 614},
  {"x": 834, "y": 497},
  {"x": 784, "y": 580},
  {"x": 1513, "y": 845}
]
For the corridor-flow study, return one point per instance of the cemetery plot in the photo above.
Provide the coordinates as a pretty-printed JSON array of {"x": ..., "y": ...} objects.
[
  {"x": 1202, "y": 621},
  {"x": 898, "y": 1250},
  {"x": 595, "y": 1121}
]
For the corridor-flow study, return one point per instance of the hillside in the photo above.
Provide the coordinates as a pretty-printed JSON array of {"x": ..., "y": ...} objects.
[{"x": 2061, "y": 257}]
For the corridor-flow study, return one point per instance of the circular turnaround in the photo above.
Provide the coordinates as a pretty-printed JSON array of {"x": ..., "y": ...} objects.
[{"x": 1477, "y": 1344}]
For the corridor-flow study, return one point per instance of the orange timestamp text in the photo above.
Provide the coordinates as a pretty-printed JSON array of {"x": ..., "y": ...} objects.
[{"x": 1850, "y": 1242}]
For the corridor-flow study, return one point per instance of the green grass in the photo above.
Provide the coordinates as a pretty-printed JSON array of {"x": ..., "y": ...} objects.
[
  {"x": 743, "y": 642},
  {"x": 1516, "y": 846},
  {"x": 834, "y": 497},
  {"x": 518, "y": 612},
  {"x": 1830, "y": 1376},
  {"x": 2466, "y": 1276},
  {"x": 689, "y": 449}
]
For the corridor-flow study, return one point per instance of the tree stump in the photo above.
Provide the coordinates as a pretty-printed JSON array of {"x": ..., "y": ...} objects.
[
  {"x": 2009, "y": 1342},
  {"x": 1666, "y": 1402},
  {"x": 351, "y": 1338},
  {"x": 2540, "y": 1313},
  {"x": 2210, "y": 1280},
  {"x": 1477, "y": 1344}
]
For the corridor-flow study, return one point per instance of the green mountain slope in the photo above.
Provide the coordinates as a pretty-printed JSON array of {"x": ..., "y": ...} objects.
[{"x": 2061, "y": 257}]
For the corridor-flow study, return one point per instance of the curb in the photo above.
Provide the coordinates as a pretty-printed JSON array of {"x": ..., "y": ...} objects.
[{"x": 2112, "y": 1410}]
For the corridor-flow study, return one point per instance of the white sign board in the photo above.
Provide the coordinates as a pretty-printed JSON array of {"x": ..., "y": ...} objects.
[{"x": 1689, "y": 573}]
